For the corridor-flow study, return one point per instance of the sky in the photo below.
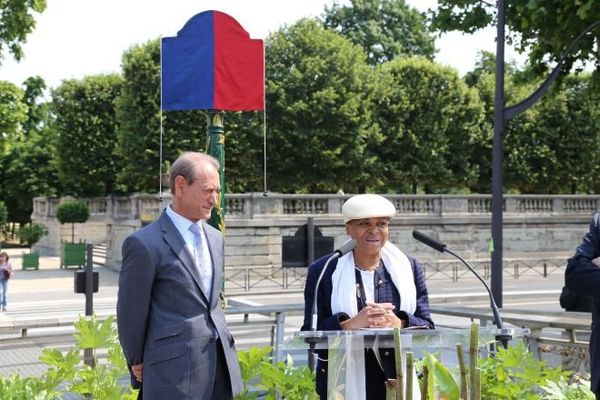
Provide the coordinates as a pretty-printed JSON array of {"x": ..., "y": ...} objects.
[{"x": 77, "y": 38}]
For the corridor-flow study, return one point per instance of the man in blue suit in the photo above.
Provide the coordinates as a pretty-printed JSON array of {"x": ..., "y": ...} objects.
[
  {"x": 583, "y": 276},
  {"x": 171, "y": 325}
]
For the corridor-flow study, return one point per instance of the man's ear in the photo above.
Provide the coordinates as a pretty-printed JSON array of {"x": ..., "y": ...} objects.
[{"x": 180, "y": 183}]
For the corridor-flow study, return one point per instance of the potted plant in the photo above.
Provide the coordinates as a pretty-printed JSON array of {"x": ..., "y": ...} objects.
[
  {"x": 31, "y": 234},
  {"x": 72, "y": 212}
]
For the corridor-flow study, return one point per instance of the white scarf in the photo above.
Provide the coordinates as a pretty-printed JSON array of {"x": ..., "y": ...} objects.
[
  {"x": 343, "y": 299},
  {"x": 343, "y": 296}
]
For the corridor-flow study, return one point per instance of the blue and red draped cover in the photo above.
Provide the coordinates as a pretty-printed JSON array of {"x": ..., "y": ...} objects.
[{"x": 212, "y": 64}]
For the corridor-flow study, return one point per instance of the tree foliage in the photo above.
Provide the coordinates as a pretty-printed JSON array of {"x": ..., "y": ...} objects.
[
  {"x": 385, "y": 29},
  {"x": 17, "y": 20},
  {"x": 319, "y": 111},
  {"x": 13, "y": 112},
  {"x": 244, "y": 152},
  {"x": 38, "y": 110},
  {"x": 86, "y": 126},
  {"x": 29, "y": 169},
  {"x": 3, "y": 215},
  {"x": 31, "y": 233},
  {"x": 544, "y": 29},
  {"x": 430, "y": 120},
  {"x": 558, "y": 151},
  {"x": 72, "y": 211}
]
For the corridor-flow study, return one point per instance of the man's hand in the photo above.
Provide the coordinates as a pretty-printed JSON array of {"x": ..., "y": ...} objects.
[{"x": 137, "y": 371}]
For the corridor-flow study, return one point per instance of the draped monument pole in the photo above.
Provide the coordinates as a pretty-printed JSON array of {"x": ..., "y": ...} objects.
[{"x": 213, "y": 65}]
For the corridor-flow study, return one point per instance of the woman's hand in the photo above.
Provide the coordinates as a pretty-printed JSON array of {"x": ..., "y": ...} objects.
[
  {"x": 374, "y": 315},
  {"x": 385, "y": 316}
]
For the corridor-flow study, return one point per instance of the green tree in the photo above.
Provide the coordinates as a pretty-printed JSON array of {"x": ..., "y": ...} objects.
[
  {"x": 482, "y": 79},
  {"x": 138, "y": 113},
  {"x": 244, "y": 143},
  {"x": 73, "y": 212},
  {"x": 430, "y": 119},
  {"x": 3, "y": 217},
  {"x": 558, "y": 153},
  {"x": 319, "y": 112},
  {"x": 86, "y": 127},
  {"x": 543, "y": 28},
  {"x": 38, "y": 111},
  {"x": 385, "y": 29},
  {"x": 29, "y": 170},
  {"x": 13, "y": 112},
  {"x": 29, "y": 167},
  {"x": 16, "y": 22},
  {"x": 548, "y": 149}
]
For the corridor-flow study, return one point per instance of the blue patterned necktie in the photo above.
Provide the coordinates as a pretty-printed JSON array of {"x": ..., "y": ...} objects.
[{"x": 202, "y": 259}]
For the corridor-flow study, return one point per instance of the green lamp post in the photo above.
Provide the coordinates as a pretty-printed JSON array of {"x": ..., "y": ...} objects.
[{"x": 216, "y": 148}]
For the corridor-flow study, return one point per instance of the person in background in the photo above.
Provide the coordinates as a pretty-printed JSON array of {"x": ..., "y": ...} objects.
[
  {"x": 374, "y": 286},
  {"x": 171, "y": 325},
  {"x": 583, "y": 277},
  {"x": 5, "y": 274}
]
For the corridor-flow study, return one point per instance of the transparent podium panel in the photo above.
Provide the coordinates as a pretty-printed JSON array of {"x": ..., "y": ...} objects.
[
  {"x": 346, "y": 367},
  {"x": 346, "y": 351}
]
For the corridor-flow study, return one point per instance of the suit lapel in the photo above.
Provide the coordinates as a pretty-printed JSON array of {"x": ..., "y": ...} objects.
[
  {"x": 216, "y": 256},
  {"x": 173, "y": 238}
]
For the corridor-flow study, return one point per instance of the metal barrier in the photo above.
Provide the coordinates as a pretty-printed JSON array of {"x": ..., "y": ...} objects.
[
  {"x": 562, "y": 334},
  {"x": 253, "y": 279}
]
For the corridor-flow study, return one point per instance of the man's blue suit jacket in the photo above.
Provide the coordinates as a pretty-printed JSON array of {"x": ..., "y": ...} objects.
[
  {"x": 583, "y": 276},
  {"x": 165, "y": 319}
]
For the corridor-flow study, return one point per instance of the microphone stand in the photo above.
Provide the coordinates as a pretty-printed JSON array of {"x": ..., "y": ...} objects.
[
  {"x": 312, "y": 342},
  {"x": 347, "y": 247},
  {"x": 501, "y": 337}
]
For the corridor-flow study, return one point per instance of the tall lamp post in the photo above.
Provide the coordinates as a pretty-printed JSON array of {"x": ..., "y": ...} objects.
[{"x": 501, "y": 115}]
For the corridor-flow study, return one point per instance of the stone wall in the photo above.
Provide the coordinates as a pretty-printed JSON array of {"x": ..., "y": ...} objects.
[{"x": 533, "y": 225}]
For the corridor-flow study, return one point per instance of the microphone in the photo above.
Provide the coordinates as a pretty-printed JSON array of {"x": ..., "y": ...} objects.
[
  {"x": 441, "y": 247},
  {"x": 429, "y": 241},
  {"x": 345, "y": 248}
]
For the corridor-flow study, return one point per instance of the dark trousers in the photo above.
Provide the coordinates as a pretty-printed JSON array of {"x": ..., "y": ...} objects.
[{"x": 222, "y": 388}]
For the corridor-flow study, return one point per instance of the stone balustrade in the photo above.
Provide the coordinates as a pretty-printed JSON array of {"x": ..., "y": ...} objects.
[{"x": 255, "y": 223}]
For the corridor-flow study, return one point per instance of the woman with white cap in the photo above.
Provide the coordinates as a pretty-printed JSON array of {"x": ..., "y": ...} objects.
[{"x": 374, "y": 286}]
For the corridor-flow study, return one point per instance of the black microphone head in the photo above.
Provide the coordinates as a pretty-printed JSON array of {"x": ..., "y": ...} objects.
[
  {"x": 346, "y": 247},
  {"x": 429, "y": 241}
]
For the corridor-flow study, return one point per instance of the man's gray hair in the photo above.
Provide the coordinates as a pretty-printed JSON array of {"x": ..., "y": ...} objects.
[{"x": 186, "y": 165}]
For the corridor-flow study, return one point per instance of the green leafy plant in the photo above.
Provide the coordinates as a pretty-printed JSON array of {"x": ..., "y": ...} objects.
[
  {"x": 562, "y": 390},
  {"x": 250, "y": 362},
  {"x": 287, "y": 380},
  {"x": 276, "y": 379},
  {"x": 100, "y": 381},
  {"x": 17, "y": 387},
  {"x": 514, "y": 373},
  {"x": 31, "y": 233},
  {"x": 72, "y": 212},
  {"x": 441, "y": 383}
]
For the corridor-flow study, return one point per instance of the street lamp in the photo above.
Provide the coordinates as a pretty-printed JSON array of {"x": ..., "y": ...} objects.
[{"x": 501, "y": 115}]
